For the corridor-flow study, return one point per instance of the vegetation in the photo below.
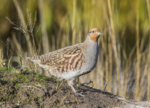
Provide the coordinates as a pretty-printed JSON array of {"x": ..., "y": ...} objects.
[{"x": 31, "y": 27}]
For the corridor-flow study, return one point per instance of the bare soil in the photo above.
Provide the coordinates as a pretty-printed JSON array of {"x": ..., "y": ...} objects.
[{"x": 28, "y": 89}]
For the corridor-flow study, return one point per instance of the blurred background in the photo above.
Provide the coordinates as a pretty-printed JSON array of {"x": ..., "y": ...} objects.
[{"x": 33, "y": 27}]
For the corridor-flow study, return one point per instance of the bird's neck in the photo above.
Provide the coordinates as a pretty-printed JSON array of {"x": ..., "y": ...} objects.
[{"x": 89, "y": 41}]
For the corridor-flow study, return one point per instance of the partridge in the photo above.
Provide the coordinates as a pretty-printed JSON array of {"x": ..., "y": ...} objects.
[{"x": 73, "y": 61}]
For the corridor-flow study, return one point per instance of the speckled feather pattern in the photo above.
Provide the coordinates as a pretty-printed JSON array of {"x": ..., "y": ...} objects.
[
  {"x": 72, "y": 61},
  {"x": 63, "y": 60}
]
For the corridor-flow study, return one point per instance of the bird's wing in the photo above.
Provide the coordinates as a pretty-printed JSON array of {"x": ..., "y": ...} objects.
[{"x": 62, "y": 60}]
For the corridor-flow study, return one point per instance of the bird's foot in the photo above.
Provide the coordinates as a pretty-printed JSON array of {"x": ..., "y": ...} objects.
[{"x": 79, "y": 94}]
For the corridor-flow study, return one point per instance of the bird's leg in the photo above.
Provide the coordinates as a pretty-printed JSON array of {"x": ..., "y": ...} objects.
[{"x": 71, "y": 83}]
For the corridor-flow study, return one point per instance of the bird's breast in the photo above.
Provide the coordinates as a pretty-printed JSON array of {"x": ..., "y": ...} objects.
[{"x": 91, "y": 56}]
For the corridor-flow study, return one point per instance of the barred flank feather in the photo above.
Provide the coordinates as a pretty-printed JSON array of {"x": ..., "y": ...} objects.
[{"x": 72, "y": 61}]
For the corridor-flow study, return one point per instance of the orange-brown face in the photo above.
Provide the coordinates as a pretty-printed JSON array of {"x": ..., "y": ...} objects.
[{"x": 94, "y": 34}]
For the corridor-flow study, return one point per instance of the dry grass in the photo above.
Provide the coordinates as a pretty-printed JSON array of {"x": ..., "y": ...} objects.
[{"x": 123, "y": 66}]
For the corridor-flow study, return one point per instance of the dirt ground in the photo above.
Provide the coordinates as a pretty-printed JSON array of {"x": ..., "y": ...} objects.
[{"x": 28, "y": 89}]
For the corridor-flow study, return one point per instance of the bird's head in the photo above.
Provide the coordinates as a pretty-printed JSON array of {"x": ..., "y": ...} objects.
[{"x": 94, "y": 34}]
